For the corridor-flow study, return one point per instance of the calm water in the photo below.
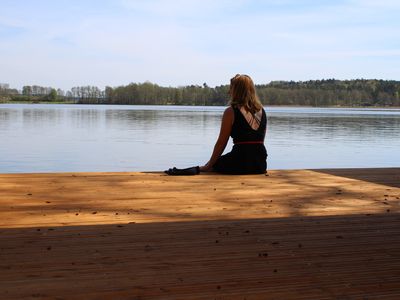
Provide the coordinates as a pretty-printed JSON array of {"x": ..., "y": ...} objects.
[{"x": 43, "y": 138}]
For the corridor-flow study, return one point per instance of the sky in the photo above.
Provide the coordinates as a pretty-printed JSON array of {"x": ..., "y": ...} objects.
[{"x": 68, "y": 43}]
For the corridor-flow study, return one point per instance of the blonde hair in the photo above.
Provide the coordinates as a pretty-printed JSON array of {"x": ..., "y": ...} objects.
[{"x": 243, "y": 94}]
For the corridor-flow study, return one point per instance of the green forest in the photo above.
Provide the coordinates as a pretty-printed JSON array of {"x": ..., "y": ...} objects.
[{"x": 326, "y": 92}]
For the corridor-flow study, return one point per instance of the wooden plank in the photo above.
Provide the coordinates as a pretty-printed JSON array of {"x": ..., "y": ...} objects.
[{"x": 296, "y": 234}]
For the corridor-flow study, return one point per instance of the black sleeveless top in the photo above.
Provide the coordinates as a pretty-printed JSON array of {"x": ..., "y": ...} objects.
[
  {"x": 248, "y": 155},
  {"x": 243, "y": 132}
]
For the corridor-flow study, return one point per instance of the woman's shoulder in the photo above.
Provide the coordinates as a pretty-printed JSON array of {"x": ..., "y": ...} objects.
[
  {"x": 229, "y": 115},
  {"x": 229, "y": 110}
]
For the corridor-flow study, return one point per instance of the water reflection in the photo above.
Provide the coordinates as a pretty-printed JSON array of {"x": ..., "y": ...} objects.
[
  {"x": 85, "y": 118},
  {"x": 336, "y": 127},
  {"x": 41, "y": 138}
]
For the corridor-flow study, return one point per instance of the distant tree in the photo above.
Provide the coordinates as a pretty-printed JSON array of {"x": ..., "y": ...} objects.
[
  {"x": 108, "y": 93},
  {"x": 27, "y": 90},
  {"x": 60, "y": 93},
  {"x": 52, "y": 96}
]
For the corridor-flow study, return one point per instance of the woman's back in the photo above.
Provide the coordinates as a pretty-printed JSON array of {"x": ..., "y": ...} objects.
[
  {"x": 248, "y": 155},
  {"x": 249, "y": 128}
]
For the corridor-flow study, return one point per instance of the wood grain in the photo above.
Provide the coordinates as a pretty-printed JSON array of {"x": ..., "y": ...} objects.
[{"x": 295, "y": 234}]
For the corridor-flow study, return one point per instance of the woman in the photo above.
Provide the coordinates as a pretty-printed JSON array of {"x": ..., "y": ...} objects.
[{"x": 245, "y": 121}]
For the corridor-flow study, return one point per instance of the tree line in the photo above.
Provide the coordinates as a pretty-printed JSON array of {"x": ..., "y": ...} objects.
[{"x": 326, "y": 92}]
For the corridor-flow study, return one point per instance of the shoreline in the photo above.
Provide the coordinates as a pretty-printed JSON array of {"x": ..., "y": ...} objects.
[{"x": 169, "y": 105}]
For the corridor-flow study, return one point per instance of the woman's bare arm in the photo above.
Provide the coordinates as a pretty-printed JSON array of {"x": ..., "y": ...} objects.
[{"x": 225, "y": 132}]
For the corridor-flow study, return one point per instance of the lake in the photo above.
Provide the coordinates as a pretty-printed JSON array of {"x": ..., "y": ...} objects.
[{"x": 63, "y": 138}]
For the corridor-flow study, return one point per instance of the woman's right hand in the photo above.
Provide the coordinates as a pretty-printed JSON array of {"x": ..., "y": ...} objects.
[{"x": 205, "y": 168}]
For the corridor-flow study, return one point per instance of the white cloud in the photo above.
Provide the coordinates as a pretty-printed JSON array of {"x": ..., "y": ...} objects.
[
  {"x": 191, "y": 42},
  {"x": 180, "y": 8}
]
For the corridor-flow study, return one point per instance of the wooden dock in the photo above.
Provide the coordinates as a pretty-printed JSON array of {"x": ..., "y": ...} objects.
[{"x": 302, "y": 234}]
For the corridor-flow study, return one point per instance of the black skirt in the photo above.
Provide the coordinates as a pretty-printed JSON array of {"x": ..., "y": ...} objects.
[{"x": 243, "y": 159}]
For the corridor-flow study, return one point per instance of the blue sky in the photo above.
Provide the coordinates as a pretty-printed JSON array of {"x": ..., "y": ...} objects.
[{"x": 68, "y": 43}]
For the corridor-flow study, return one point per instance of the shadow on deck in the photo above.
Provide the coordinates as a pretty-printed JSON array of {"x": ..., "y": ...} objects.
[
  {"x": 387, "y": 176},
  {"x": 329, "y": 257}
]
